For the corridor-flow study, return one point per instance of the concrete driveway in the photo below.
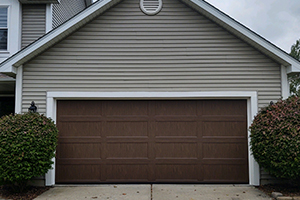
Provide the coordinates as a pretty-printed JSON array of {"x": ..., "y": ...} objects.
[{"x": 154, "y": 192}]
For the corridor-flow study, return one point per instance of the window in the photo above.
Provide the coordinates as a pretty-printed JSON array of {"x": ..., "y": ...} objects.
[{"x": 3, "y": 28}]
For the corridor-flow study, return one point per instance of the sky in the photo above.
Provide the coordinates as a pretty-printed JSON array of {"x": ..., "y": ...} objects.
[{"x": 278, "y": 21}]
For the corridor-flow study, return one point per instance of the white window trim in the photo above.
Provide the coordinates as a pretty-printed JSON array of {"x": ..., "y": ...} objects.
[
  {"x": 5, "y": 28},
  {"x": 252, "y": 108}
]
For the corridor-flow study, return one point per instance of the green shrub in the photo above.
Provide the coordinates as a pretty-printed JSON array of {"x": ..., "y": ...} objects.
[
  {"x": 27, "y": 145},
  {"x": 275, "y": 138}
]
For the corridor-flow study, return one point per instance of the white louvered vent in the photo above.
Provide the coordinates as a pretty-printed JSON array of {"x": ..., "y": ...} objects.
[
  {"x": 151, "y": 7},
  {"x": 38, "y": 1}
]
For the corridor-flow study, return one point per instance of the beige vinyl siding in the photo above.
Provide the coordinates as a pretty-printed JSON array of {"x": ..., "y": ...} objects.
[
  {"x": 65, "y": 10},
  {"x": 126, "y": 50},
  {"x": 33, "y": 22}
]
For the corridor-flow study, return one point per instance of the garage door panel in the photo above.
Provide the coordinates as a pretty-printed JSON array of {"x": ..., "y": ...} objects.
[
  {"x": 219, "y": 150},
  {"x": 129, "y": 129},
  {"x": 72, "y": 128},
  {"x": 176, "y": 150},
  {"x": 152, "y": 141},
  {"x": 86, "y": 150},
  {"x": 79, "y": 108},
  {"x": 126, "y": 108},
  {"x": 129, "y": 172},
  {"x": 224, "y": 128},
  {"x": 183, "y": 108},
  {"x": 173, "y": 172},
  {"x": 127, "y": 150},
  {"x": 184, "y": 129},
  {"x": 224, "y": 173},
  {"x": 224, "y": 107},
  {"x": 225, "y": 139},
  {"x": 79, "y": 173},
  {"x": 78, "y": 161}
]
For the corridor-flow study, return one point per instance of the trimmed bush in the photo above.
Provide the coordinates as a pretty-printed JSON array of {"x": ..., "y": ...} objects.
[
  {"x": 27, "y": 145},
  {"x": 275, "y": 138}
]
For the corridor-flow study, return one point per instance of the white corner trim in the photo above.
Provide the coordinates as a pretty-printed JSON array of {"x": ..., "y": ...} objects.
[
  {"x": 251, "y": 96},
  {"x": 48, "y": 17},
  {"x": 18, "y": 90},
  {"x": 254, "y": 169},
  {"x": 50, "y": 176},
  {"x": 285, "y": 87},
  {"x": 50, "y": 106}
]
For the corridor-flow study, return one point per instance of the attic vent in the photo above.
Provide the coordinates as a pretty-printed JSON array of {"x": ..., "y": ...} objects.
[{"x": 151, "y": 7}]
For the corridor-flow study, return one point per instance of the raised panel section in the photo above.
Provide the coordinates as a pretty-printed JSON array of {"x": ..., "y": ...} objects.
[
  {"x": 178, "y": 128},
  {"x": 127, "y": 173},
  {"x": 127, "y": 150},
  {"x": 221, "y": 129},
  {"x": 77, "y": 150},
  {"x": 183, "y": 108},
  {"x": 78, "y": 173},
  {"x": 187, "y": 172},
  {"x": 127, "y": 108},
  {"x": 224, "y": 108},
  {"x": 80, "y": 108},
  {"x": 176, "y": 150},
  {"x": 127, "y": 128},
  {"x": 79, "y": 128},
  {"x": 225, "y": 173},
  {"x": 219, "y": 150}
]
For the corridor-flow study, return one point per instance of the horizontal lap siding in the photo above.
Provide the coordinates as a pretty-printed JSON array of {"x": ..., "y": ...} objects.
[
  {"x": 65, "y": 10},
  {"x": 176, "y": 50},
  {"x": 33, "y": 22}
]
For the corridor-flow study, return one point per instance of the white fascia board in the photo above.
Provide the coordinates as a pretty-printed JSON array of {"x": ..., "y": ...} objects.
[
  {"x": 54, "y": 36},
  {"x": 216, "y": 15}
]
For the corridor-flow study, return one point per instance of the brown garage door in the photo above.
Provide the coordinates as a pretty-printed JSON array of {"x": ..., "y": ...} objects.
[{"x": 201, "y": 141}]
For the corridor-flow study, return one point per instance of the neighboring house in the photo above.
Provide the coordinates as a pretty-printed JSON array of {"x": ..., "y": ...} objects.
[
  {"x": 157, "y": 91},
  {"x": 21, "y": 23}
]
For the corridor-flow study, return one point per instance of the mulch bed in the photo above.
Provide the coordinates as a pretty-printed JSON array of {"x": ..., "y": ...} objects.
[
  {"x": 30, "y": 193},
  {"x": 285, "y": 189}
]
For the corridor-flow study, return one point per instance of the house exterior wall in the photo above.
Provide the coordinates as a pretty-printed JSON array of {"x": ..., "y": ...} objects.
[
  {"x": 65, "y": 10},
  {"x": 176, "y": 50},
  {"x": 33, "y": 22},
  {"x": 125, "y": 50}
]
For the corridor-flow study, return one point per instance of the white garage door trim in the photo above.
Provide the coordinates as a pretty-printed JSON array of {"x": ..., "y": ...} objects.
[{"x": 252, "y": 108}]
